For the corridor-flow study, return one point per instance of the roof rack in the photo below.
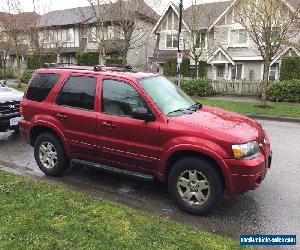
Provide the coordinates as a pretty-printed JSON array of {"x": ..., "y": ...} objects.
[{"x": 96, "y": 68}]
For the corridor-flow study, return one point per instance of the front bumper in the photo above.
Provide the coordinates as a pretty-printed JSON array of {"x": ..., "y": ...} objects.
[
  {"x": 247, "y": 175},
  {"x": 5, "y": 122}
]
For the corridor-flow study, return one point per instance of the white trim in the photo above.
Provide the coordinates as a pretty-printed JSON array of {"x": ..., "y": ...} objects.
[
  {"x": 221, "y": 16},
  {"x": 171, "y": 5},
  {"x": 220, "y": 49},
  {"x": 282, "y": 53},
  {"x": 247, "y": 58}
]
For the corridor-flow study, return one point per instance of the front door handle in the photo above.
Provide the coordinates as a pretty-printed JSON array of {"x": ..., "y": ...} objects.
[
  {"x": 108, "y": 125},
  {"x": 61, "y": 116}
]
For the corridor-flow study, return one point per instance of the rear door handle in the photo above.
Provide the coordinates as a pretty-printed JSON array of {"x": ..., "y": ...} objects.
[
  {"x": 61, "y": 116},
  {"x": 108, "y": 125}
]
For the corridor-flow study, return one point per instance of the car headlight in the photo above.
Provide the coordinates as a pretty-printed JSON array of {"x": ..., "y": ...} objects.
[{"x": 245, "y": 151}]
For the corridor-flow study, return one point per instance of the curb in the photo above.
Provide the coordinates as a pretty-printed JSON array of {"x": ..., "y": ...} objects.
[{"x": 274, "y": 118}]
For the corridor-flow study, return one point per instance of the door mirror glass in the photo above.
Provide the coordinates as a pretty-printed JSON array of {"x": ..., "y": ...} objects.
[
  {"x": 143, "y": 114},
  {"x": 3, "y": 83}
]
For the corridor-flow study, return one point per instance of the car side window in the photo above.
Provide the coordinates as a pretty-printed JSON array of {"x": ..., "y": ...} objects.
[
  {"x": 41, "y": 86},
  {"x": 78, "y": 92},
  {"x": 120, "y": 98}
]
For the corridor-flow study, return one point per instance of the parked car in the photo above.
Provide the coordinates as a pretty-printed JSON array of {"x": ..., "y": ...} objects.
[
  {"x": 9, "y": 107},
  {"x": 142, "y": 125}
]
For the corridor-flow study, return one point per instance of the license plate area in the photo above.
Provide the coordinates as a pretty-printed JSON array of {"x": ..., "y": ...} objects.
[{"x": 14, "y": 121}]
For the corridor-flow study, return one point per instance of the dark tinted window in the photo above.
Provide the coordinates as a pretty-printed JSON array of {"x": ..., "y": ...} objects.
[
  {"x": 40, "y": 86},
  {"x": 78, "y": 92},
  {"x": 120, "y": 98}
]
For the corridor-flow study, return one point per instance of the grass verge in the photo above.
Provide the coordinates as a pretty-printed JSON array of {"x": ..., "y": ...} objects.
[
  {"x": 276, "y": 109},
  {"x": 36, "y": 215},
  {"x": 15, "y": 86}
]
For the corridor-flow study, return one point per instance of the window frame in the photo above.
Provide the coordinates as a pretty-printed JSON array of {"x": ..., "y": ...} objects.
[
  {"x": 72, "y": 107},
  {"x": 123, "y": 81},
  {"x": 174, "y": 36},
  {"x": 238, "y": 44}
]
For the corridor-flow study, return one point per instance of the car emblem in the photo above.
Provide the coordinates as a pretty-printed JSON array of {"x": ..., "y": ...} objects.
[{"x": 12, "y": 106}]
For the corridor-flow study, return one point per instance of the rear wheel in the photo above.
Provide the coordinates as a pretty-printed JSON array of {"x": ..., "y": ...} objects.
[
  {"x": 195, "y": 185},
  {"x": 50, "y": 155}
]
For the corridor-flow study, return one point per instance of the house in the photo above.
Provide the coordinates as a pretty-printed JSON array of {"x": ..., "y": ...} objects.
[
  {"x": 66, "y": 32},
  {"x": 225, "y": 45}
]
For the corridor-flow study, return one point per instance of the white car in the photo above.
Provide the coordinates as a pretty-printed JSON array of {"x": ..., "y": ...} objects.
[{"x": 9, "y": 107}]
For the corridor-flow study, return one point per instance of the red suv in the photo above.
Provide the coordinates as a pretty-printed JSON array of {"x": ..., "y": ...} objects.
[{"x": 142, "y": 125}]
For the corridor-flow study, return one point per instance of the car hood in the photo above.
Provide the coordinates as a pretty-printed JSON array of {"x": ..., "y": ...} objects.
[
  {"x": 8, "y": 94},
  {"x": 232, "y": 124}
]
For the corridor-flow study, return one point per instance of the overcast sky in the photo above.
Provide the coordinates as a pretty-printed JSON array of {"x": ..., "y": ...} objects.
[{"x": 46, "y": 5}]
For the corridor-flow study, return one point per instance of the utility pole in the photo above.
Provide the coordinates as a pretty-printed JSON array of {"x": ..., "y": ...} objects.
[{"x": 179, "y": 51}]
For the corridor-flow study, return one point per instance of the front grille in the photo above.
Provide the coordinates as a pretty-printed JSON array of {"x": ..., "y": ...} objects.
[{"x": 7, "y": 108}]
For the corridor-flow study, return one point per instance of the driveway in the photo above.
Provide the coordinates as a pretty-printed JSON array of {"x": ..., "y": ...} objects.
[{"x": 273, "y": 208}]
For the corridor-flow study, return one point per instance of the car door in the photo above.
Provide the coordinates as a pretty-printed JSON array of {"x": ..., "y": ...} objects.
[
  {"x": 74, "y": 113},
  {"x": 128, "y": 143}
]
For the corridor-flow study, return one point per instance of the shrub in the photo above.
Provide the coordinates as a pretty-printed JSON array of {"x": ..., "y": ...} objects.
[
  {"x": 197, "y": 87},
  {"x": 114, "y": 62},
  {"x": 285, "y": 91},
  {"x": 87, "y": 58},
  {"x": 27, "y": 75},
  {"x": 36, "y": 61},
  {"x": 170, "y": 67},
  {"x": 290, "y": 68}
]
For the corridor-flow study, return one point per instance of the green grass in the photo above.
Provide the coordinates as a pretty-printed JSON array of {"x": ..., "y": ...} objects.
[
  {"x": 35, "y": 215},
  {"x": 276, "y": 109},
  {"x": 15, "y": 86}
]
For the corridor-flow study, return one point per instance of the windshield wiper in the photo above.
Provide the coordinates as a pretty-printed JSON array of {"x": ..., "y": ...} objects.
[
  {"x": 183, "y": 110},
  {"x": 195, "y": 107}
]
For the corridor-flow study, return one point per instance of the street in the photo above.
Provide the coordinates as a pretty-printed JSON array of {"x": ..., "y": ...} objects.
[{"x": 271, "y": 209}]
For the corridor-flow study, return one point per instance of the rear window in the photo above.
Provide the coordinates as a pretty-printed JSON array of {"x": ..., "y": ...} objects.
[{"x": 41, "y": 86}]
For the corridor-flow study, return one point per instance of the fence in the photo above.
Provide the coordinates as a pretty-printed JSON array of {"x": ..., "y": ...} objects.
[{"x": 242, "y": 88}]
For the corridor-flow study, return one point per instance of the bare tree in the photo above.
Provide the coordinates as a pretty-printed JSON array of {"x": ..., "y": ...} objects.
[
  {"x": 196, "y": 44},
  {"x": 131, "y": 19},
  {"x": 270, "y": 24}
]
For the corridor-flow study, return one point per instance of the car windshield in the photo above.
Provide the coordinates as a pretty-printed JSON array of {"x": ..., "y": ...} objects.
[{"x": 169, "y": 98}]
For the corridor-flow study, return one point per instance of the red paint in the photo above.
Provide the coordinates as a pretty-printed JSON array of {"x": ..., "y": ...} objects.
[{"x": 136, "y": 145}]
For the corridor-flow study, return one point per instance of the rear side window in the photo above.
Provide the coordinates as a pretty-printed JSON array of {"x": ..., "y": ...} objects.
[
  {"x": 78, "y": 92},
  {"x": 41, "y": 86}
]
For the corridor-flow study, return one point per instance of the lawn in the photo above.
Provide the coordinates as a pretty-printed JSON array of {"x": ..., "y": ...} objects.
[
  {"x": 36, "y": 215},
  {"x": 276, "y": 109},
  {"x": 15, "y": 86}
]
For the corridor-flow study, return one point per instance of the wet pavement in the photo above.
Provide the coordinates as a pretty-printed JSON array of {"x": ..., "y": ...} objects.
[{"x": 274, "y": 208}]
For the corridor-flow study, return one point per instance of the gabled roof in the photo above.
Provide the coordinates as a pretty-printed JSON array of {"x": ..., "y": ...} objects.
[
  {"x": 202, "y": 16},
  {"x": 276, "y": 58},
  {"x": 111, "y": 12},
  {"x": 227, "y": 56},
  {"x": 175, "y": 8}
]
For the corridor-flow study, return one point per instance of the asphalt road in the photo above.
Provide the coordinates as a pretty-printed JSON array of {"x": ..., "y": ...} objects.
[{"x": 274, "y": 208}]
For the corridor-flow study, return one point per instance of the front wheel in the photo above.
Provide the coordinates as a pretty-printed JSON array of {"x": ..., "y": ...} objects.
[
  {"x": 50, "y": 155},
  {"x": 195, "y": 185}
]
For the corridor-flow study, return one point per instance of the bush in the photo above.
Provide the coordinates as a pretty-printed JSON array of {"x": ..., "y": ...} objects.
[
  {"x": 87, "y": 58},
  {"x": 114, "y": 62},
  {"x": 290, "y": 68},
  {"x": 170, "y": 67},
  {"x": 27, "y": 75},
  {"x": 197, "y": 87},
  {"x": 36, "y": 61},
  {"x": 286, "y": 91}
]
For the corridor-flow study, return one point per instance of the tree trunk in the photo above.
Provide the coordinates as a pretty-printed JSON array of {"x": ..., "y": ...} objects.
[
  {"x": 265, "y": 83},
  {"x": 18, "y": 69}
]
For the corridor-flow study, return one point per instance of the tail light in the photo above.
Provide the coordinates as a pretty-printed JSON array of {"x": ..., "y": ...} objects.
[{"x": 21, "y": 111}]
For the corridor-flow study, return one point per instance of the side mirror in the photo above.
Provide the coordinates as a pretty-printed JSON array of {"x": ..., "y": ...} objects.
[
  {"x": 3, "y": 82},
  {"x": 143, "y": 114}
]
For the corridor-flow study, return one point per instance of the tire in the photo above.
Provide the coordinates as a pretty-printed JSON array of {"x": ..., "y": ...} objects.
[
  {"x": 198, "y": 196},
  {"x": 47, "y": 147},
  {"x": 17, "y": 130}
]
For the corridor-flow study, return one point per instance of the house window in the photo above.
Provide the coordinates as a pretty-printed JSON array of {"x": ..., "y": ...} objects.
[
  {"x": 49, "y": 36},
  {"x": 200, "y": 40},
  {"x": 237, "y": 72},
  {"x": 273, "y": 70},
  {"x": 220, "y": 70},
  {"x": 110, "y": 32},
  {"x": 70, "y": 35},
  {"x": 172, "y": 41},
  {"x": 238, "y": 38}
]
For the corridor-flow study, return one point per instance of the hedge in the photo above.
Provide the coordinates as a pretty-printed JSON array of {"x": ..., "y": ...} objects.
[
  {"x": 27, "y": 75},
  {"x": 87, "y": 58},
  {"x": 114, "y": 62},
  {"x": 285, "y": 91},
  {"x": 290, "y": 68},
  {"x": 197, "y": 87},
  {"x": 36, "y": 61}
]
